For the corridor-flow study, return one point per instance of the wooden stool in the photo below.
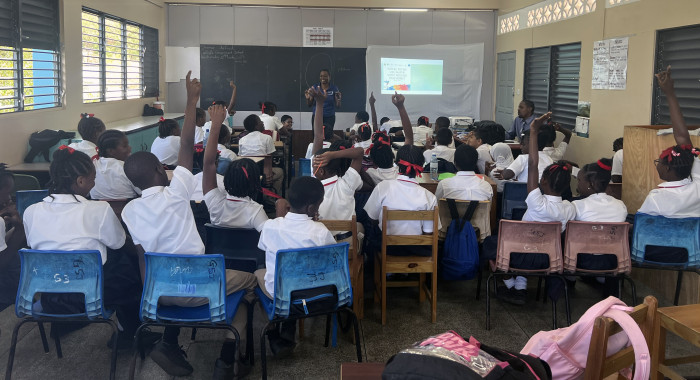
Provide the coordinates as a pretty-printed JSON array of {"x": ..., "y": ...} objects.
[{"x": 682, "y": 321}]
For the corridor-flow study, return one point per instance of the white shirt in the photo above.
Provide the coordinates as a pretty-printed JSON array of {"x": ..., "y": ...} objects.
[
  {"x": 548, "y": 208},
  {"x": 111, "y": 182},
  {"x": 289, "y": 232},
  {"x": 617, "y": 163},
  {"x": 226, "y": 152},
  {"x": 86, "y": 147},
  {"x": 403, "y": 193},
  {"x": 364, "y": 145},
  {"x": 600, "y": 207},
  {"x": 201, "y": 133},
  {"x": 484, "y": 152},
  {"x": 339, "y": 196},
  {"x": 390, "y": 124},
  {"x": 309, "y": 150},
  {"x": 441, "y": 151},
  {"x": 272, "y": 123},
  {"x": 197, "y": 195},
  {"x": 3, "y": 244},
  {"x": 383, "y": 174},
  {"x": 198, "y": 135},
  {"x": 419, "y": 133},
  {"x": 70, "y": 223},
  {"x": 556, "y": 153},
  {"x": 695, "y": 171},
  {"x": 465, "y": 186},
  {"x": 166, "y": 149},
  {"x": 229, "y": 211},
  {"x": 255, "y": 144},
  {"x": 162, "y": 220},
  {"x": 519, "y": 166},
  {"x": 355, "y": 127},
  {"x": 676, "y": 199}
]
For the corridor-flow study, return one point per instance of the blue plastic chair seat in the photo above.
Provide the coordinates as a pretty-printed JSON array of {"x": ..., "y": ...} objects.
[
  {"x": 199, "y": 313},
  {"x": 666, "y": 232},
  {"x": 267, "y": 303}
]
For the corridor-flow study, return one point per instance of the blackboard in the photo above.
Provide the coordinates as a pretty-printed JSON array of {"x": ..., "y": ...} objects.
[{"x": 280, "y": 75}]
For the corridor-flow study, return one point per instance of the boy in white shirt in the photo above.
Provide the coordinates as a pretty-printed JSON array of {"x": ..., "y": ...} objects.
[
  {"x": 441, "y": 150},
  {"x": 267, "y": 116},
  {"x": 466, "y": 185},
  {"x": 162, "y": 221},
  {"x": 297, "y": 228},
  {"x": 255, "y": 143},
  {"x": 519, "y": 168},
  {"x": 90, "y": 129},
  {"x": 476, "y": 140}
]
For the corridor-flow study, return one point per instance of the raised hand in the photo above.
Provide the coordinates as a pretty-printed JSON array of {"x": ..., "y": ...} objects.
[
  {"x": 372, "y": 100},
  {"x": 537, "y": 123},
  {"x": 398, "y": 99},
  {"x": 319, "y": 95},
  {"x": 194, "y": 88},
  {"x": 664, "y": 80},
  {"x": 217, "y": 114},
  {"x": 233, "y": 85}
]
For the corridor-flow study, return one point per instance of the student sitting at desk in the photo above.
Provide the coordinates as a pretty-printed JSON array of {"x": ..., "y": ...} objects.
[
  {"x": 442, "y": 149},
  {"x": 110, "y": 181},
  {"x": 90, "y": 129},
  {"x": 519, "y": 168},
  {"x": 167, "y": 145},
  {"x": 466, "y": 185},
  {"x": 255, "y": 143},
  {"x": 477, "y": 140}
]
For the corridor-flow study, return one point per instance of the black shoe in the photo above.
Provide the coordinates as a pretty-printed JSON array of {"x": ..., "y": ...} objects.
[
  {"x": 512, "y": 296},
  {"x": 519, "y": 295},
  {"x": 281, "y": 348},
  {"x": 223, "y": 371},
  {"x": 171, "y": 359},
  {"x": 501, "y": 291},
  {"x": 126, "y": 341}
]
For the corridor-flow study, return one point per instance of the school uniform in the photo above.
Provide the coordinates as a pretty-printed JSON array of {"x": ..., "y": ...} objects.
[
  {"x": 291, "y": 231},
  {"x": 235, "y": 212},
  {"x": 548, "y": 208},
  {"x": 198, "y": 135},
  {"x": 162, "y": 221},
  {"x": 466, "y": 186},
  {"x": 420, "y": 133},
  {"x": 484, "y": 152},
  {"x": 309, "y": 150},
  {"x": 617, "y": 163},
  {"x": 166, "y": 149},
  {"x": 272, "y": 123},
  {"x": 364, "y": 145},
  {"x": 197, "y": 195},
  {"x": 255, "y": 144},
  {"x": 339, "y": 196},
  {"x": 355, "y": 127},
  {"x": 383, "y": 174},
  {"x": 519, "y": 166},
  {"x": 111, "y": 182},
  {"x": 226, "y": 153},
  {"x": 675, "y": 199},
  {"x": 695, "y": 170},
  {"x": 600, "y": 207},
  {"x": 441, "y": 151},
  {"x": 556, "y": 153},
  {"x": 86, "y": 147}
]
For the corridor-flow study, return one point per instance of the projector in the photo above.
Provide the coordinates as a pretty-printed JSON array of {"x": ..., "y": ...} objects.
[{"x": 461, "y": 121}]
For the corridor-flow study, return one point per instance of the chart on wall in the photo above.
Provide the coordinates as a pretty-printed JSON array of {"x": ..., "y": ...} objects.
[{"x": 280, "y": 75}]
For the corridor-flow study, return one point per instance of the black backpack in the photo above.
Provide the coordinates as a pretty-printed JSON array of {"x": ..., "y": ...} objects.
[
  {"x": 41, "y": 142},
  {"x": 151, "y": 111}
]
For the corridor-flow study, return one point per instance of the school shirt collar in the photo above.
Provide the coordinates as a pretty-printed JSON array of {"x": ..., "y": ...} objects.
[
  {"x": 674, "y": 184},
  {"x": 465, "y": 174},
  {"x": 404, "y": 178},
  {"x": 330, "y": 181},
  {"x": 231, "y": 198},
  {"x": 553, "y": 198},
  {"x": 64, "y": 198},
  {"x": 151, "y": 190},
  {"x": 298, "y": 217},
  {"x": 387, "y": 170}
]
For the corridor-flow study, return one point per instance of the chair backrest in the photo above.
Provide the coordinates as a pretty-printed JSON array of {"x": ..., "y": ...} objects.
[
  {"x": 481, "y": 218},
  {"x": 176, "y": 275},
  {"x": 423, "y": 215},
  {"x": 307, "y": 268},
  {"x": 26, "y": 182},
  {"x": 345, "y": 225},
  {"x": 26, "y": 198},
  {"x": 598, "y": 366},
  {"x": 597, "y": 238},
  {"x": 514, "y": 195},
  {"x": 529, "y": 237},
  {"x": 60, "y": 272},
  {"x": 238, "y": 245},
  {"x": 304, "y": 167},
  {"x": 666, "y": 232}
]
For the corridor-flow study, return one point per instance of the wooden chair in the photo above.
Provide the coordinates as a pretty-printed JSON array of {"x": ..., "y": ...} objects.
[
  {"x": 598, "y": 366},
  {"x": 481, "y": 218},
  {"x": 407, "y": 264},
  {"x": 682, "y": 321}
]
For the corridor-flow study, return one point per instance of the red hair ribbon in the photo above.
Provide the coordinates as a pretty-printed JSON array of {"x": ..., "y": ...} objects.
[
  {"x": 603, "y": 166},
  {"x": 162, "y": 119},
  {"x": 692, "y": 150},
  {"x": 554, "y": 167},
  {"x": 88, "y": 115},
  {"x": 270, "y": 193},
  {"x": 380, "y": 141},
  {"x": 425, "y": 119},
  {"x": 263, "y": 108},
  {"x": 668, "y": 154},
  {"x": 95, "y": 157},
  {"x": 412, "y": 167},
  {"x": 66, "y": 147},
  {"x": 245, "y": 171},
  {"x": 342, "y": 147}
]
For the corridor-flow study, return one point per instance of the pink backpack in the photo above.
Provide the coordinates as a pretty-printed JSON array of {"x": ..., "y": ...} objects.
[{"x": 566, "y": 349}]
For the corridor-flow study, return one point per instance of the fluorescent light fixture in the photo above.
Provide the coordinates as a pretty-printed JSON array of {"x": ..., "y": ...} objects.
[{"x": 406, "y": 9}]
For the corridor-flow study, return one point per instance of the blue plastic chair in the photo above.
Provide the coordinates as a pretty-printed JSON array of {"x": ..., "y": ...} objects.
[
  {"x": 238, "y": 245},
  {"x": 304, "y": 167},
  {"x": 308, "y": 268},
  {"x": 666, "y": 232},
  {"x": 186, "y": 276},
  {"x": 27, "y": 198},
  {"x": 60, "y": 272},
  {"x": 513, "y": 202}
]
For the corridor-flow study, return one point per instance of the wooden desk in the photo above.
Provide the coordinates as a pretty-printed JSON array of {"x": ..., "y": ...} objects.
[
  {"x": 682, "y": 321},
  {"x": 361, "y": 371},
  {"x": 30, "y": 167},
  {"x": 134, "y": 124}
]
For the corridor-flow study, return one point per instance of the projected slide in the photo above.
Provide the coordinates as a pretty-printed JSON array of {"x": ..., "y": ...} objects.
[{"x": 411, "y": 76}]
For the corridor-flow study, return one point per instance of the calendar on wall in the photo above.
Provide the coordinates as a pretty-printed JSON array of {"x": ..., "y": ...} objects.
[{"x": 318, "y": 36}]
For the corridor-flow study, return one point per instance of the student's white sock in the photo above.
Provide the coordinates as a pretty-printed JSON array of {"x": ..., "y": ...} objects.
[
  {"x": 520, "y": 283},
  {"x": 509, "y": 282}
]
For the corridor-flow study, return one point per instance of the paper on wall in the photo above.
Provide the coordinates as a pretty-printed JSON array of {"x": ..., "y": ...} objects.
[
  {"x": 610, "y": 64},
  {"x": 180, "y": 60},
  {"x": 318, "y": 36}
]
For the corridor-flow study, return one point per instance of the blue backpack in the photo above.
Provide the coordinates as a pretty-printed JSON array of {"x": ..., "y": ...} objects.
[{"x": 460, "y": 260}]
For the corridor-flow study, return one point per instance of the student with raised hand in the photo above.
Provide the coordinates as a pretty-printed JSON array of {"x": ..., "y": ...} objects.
[
  {"x": 232, "y": 102},
  {"x": 382, "y": 155},
  {"x": 372, "y": 100},
  {"x": 234, "y": 207},
  {"x": 558, "y": 152},
  {"x": 162, "y": 221},
  {"x": 110, "y": 180},
  {"x": 518, "y": 170},
  {"x": 90, "y": 129}
]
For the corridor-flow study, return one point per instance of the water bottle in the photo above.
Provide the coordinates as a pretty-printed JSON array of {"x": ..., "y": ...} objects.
[
  {"x": 206, "y": 137},
  {"x": 434, "y": 167}
]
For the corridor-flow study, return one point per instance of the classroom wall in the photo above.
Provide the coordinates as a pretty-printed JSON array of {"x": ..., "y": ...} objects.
[
  {"x": 16, "y": 127},
  {"x": 193, "y": 25},
  {"x": 610, "y": 110}
]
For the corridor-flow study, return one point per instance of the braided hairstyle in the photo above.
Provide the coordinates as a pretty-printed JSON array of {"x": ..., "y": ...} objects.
[
  {"x": 224, "y": 135},
  {"x": 339, "y": 165},
  {"x": 598, "y": 174},
  {"x": 380, "y": 152},
  {"x": 411, "y": 154},
  {"x": 242, "y": 179},
  {"x": 166, "y": 127},
  {"x": 679, "y": 158},
  {"x": 67, "y": 165},
  {"x": 268, "y": 107},
  {"x": 364, "y": 131},
  {"x": 109, "y": 139},
  {"x": 90, "y": 127},
  {"x": 558, "y": 176}
]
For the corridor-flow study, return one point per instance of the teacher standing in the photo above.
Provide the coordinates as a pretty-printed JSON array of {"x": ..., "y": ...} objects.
[{"x": 332, "y": 102}]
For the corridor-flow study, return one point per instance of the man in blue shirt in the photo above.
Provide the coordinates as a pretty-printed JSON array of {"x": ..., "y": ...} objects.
[{"x": 526, "y": 113}]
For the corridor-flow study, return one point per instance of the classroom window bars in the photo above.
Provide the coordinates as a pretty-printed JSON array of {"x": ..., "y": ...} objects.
[
  {"x": 120, "y": 58},
  {"x": 30, "y": 67}
]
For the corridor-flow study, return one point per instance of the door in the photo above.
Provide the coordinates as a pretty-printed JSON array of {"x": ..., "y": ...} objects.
[{"x": 505, "y": 87}]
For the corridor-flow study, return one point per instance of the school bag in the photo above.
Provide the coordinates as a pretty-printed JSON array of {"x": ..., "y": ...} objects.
[
  {"x": 41, "y": 142},
  {"x": 460, "y": 259},
  {"x": 448, "y": 356},
  {"x": 566, "y": 349}
]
